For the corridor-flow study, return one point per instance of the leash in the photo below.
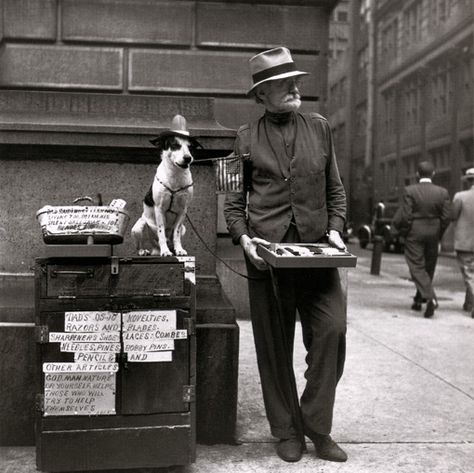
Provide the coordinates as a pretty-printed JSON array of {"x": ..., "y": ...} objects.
[
  {"x": 245, "y": 276},
  {"x": 223, "y": 158}
]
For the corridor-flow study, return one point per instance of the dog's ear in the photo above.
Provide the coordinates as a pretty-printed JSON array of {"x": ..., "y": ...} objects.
[{"x": 161, "y": 143}]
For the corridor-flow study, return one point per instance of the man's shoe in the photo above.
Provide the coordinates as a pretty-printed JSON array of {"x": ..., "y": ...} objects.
[
  {"x": 289, "y": 450},
  {"x": 416, "y": 306},
  {"x": 327, "y": 449},
  {"x": 430, "y": 308},
  {"x": 467, "y": 307}
]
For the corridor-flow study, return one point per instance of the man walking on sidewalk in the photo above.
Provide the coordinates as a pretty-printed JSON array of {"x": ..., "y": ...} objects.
[
  {"x": 425, "y": 212},
  {"x": 463, "y": 216},
  {"x": 296, "y": 195}
]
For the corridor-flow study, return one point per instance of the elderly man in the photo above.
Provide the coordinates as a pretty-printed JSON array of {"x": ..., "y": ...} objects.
[
  {"x": 294, "y": 195},
  {"x": 463, "y": 216}
]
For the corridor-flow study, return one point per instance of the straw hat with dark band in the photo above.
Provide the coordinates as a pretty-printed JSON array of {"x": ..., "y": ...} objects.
[
  {"x": 273, "y": 64},
  {"x": 469, "y": 174}
]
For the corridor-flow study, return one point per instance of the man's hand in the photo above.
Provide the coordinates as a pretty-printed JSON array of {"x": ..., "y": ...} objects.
[
  {"x": 334, "y": 239},
  {"x": 250, "y": 247}
]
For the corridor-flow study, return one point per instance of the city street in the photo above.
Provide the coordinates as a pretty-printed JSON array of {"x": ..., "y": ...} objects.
[{"x": 405, "y": 403}]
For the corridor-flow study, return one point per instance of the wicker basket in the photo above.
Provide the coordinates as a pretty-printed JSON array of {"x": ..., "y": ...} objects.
[{"x": 82, "y": 224}]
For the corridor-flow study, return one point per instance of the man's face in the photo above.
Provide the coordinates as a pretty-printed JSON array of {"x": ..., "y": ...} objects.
[{"x": 281, "y": 95}]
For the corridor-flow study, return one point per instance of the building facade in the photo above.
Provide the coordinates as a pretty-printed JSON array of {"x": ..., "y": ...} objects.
[{"x": 407, "y": 95}]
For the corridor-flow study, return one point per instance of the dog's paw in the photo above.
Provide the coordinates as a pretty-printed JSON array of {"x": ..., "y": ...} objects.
[
  {"x": 143, "y": 252},
  {"x": 166, "y": 253},
  {"x": 181, "y": 252}
]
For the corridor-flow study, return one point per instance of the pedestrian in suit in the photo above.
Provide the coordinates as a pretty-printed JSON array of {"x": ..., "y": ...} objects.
[
  {"x": 424, "y": 216},
  {"x": 295, "y": 194},
  {"x": 463, "y": 216}
]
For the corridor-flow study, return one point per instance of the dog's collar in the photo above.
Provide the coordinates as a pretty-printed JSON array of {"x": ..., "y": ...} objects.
[{"x": 171, "y": 190}]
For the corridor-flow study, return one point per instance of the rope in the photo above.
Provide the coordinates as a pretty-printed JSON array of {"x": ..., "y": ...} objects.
[{"x": 216, "y": 256}]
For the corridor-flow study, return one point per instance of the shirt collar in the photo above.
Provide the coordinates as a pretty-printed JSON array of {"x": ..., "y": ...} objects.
[{"x": 425, "y": 179}]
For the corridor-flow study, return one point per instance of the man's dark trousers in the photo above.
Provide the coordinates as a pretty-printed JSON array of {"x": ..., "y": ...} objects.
[
  {"x": 318, "y": 297},
  {"x": 421, "y": 254}
]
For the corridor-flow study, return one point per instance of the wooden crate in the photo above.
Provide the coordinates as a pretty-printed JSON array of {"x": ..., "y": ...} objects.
[{"x": 110, "y": 409}]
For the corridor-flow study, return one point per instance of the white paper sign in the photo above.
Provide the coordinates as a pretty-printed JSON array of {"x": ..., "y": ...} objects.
[
  {"x": 150, "y": 357},
  {"x": 164, "y": 318},
  {"x": 94, "y": 357},
  {"x": 100, "y": 347},
  {"x": 156, "y": 335},
  {"x": 66, "y": 367},
  {"x": 79, "y": 394},
  {"x": 56, "y": 337},
  {"x": 141, "y": 346}
]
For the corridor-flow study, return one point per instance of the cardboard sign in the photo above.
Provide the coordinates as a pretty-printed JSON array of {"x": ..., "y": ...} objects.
[
  {"x": 150, "y": 356},
  {"x": 79, "y": 394},
  {"x": 66, "y": 367},
  {"x": 85, "y": 337},
  {"x": 141, "y": 346},
  {"x": 100, "y": 347},
  {"x": 81, "y": 219}
]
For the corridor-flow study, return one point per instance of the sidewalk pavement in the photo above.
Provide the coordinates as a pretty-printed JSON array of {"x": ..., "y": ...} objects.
[{"x": 405, "y": 403}]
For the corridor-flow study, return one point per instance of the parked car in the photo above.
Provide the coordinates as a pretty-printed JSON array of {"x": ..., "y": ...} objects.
[{"x": 381, "y": 226}]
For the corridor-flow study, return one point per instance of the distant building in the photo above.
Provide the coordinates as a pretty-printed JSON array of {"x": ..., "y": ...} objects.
[{"x": 402, "y": 93}]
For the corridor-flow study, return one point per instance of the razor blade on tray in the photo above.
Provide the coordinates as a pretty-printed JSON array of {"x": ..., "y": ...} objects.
[{"x": 306, "y": 255}]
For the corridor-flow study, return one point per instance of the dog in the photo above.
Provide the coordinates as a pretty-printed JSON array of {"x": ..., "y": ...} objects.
[{"x": 166, "y": 203}]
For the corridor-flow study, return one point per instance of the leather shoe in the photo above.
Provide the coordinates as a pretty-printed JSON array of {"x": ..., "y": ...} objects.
[
  {"x": 430, "y": 308},
  {"x": 416, "y": 306},
  {"x": 467, "y": 307},
  {"x": 289, "y": 450},
  {"x": 327, "y": 449}
]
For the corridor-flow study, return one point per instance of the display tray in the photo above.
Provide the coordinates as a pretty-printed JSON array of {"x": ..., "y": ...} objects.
[{"x": 306, "y": 255}]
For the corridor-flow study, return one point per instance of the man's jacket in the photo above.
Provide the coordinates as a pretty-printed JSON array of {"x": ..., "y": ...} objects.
[
  {"x": 425, "y": 210},
  {"x": 463, "y": 214},
  {"x": 304, "y": 188}
]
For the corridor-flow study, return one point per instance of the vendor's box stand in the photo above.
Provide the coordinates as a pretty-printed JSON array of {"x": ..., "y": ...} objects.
[{"x": 116, "y": 347}]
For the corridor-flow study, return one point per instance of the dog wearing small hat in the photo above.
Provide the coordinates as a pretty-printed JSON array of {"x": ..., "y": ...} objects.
[{"x": 166, "y": 203}]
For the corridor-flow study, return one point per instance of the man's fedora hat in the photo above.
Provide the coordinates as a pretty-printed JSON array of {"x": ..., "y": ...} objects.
[
  {"x": 273, "y": 64},
  {"x": 469, "y": 174},
  {"x": 178, "y": 128}
]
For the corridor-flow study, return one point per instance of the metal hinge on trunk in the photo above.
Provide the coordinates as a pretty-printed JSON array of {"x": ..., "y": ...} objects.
[
  {"x": 42, "y": 334},
  {"x": 189, "y": 393},
  {"x": 39, "y": 402},
  {"x": 190, "y": 326}
]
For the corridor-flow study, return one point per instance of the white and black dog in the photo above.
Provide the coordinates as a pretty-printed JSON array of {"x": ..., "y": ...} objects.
[{"x": 166, "y": 203}]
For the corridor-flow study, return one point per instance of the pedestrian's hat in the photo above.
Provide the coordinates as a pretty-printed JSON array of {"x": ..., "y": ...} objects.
[
  {"x": 178, "y": 128},
  {"x": 469, "y": 174},
  {"x": 273, "y": 64}
]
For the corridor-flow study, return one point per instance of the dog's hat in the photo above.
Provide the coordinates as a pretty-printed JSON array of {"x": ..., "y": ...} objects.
[
  {"x": 273, "y": 64},
  {"x": 178, "y": 128},
  {"x": 469, "y": 174}
]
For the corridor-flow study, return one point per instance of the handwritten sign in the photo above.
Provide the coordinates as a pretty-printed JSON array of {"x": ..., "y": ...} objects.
[
  {"x": 91, "y": 321},
  {"x": 155, "y": 336},
  {"x": 66, "y": 367},
  {"x": 94, "y": 357},
  {"x": 79, "y": 394},
  {"x": 148, "y": 335},
  {"x": 148, "y": 345},
  {"x": 158, "y": 318},
  {"x": 100, "y": 347},
  {"x": 56, "y": 337},
  {"x": 80, "y": 219},
  {"x": 151, "y": 356}
]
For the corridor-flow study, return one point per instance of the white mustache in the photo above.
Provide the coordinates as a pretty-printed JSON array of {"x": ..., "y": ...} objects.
[{"x": 292, "y": 97}]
